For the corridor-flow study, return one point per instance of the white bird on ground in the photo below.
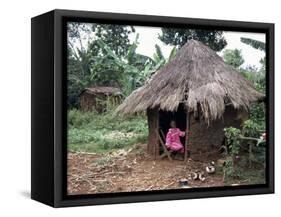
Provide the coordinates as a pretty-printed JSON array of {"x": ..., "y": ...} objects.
[{"x": 211, "y": 168}]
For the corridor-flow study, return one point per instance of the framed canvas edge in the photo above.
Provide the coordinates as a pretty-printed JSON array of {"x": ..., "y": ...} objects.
[{"x": 60, "y": 199}]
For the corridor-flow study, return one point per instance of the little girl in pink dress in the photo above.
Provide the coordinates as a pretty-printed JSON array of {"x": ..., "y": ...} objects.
[{"x": 173, "y": 138}]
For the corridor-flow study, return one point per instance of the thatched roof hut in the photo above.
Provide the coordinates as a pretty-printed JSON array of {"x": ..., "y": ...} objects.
[
  {"x": 197, "y": 79},
  {"x": 96, "y": 98}
]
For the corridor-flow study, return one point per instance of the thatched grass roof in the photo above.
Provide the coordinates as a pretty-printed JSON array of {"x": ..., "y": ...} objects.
[
  {"x": 197, "y": 77},
  {"x": 102, "y": 90}
]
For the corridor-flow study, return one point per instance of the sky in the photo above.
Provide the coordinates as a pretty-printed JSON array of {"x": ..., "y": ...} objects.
[{"x": 148, "y": 37}]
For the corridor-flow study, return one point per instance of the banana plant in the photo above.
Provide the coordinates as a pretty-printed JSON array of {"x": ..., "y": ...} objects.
[
  {"x": 135, "y": 68},
  {"x": 253, "y": 43},
  {"x": 159, "y": 59}
]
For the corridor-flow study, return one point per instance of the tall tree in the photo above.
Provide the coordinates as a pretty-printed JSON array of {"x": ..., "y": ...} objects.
[
  {"x": 115, "y": 36},
  {"x": 233, "y": 57},
  {"x": 178, "y": 37}
]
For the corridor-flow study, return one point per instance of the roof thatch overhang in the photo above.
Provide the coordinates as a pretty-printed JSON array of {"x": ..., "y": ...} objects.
[
  {"x": 197, "y": 77},
  {"x": 106, "y": 90}
]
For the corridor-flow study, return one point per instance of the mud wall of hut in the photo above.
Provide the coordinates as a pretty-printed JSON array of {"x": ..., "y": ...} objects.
[
  {"x": 207, "y": 139},
  {"x": 96, "y": 102},
  {"x": 153, "y": 142},
  {"x": 87, "y": 102}
]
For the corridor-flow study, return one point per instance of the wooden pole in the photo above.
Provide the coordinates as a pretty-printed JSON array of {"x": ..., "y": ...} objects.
[
  {"x": 155, "y": 145},
  {"x": 157, "y": 131},
  {"x": 186, "y": 136}
]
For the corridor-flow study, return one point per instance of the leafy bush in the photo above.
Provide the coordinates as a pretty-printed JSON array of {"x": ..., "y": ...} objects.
[
  {"x": 229, "y": 168},
  {"x": 251, "y": 129},
  {"x": 234, "y": 169},
  {"x": 257, "y": 114},
  {"x": 232, "y": 137}
]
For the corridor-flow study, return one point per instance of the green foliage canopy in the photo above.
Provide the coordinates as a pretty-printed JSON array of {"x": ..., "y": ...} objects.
[
  {"x": 233, "y": 57},
  {"x": 116, "y": 37},
  {"x": 178, "y": 37}
]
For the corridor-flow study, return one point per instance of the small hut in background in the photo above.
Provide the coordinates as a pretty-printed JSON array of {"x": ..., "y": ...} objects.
[
  {"x": 97, "y": 98},
  {"x": 198, "y": 90}
]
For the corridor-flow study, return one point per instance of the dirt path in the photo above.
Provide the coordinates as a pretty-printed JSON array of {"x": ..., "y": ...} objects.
[{"x": 130, "y": 170}]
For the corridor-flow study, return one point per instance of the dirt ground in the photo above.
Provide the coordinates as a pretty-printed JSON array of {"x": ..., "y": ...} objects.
[{"x": 132, "y": 170}]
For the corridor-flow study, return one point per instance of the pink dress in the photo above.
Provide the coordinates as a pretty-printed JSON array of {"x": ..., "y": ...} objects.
[{"x": 173, "y": 139}]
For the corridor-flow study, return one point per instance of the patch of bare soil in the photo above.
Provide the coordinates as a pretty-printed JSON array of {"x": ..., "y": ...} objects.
[{"x": 131, "y": 170}]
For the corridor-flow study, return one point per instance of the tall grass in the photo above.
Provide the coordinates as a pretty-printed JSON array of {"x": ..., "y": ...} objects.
[{"x": 93, "y": 132}]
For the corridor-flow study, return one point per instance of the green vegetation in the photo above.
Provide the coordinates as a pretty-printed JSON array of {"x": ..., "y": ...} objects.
[
  {"x": 245, "y": 159},
  {"x": 93, "y": 132},
  {"x": 108, "y": 59},
  {"x": 102, "y": 54},
  {"x": 254, "y": 43},
  {"x": 232, "y": 138},
  {"x": 247, "y": 162},
  {"x": 257, "y": 77},
  {"x": 88, "y": 62},
  {"x": 178, "y": 37},
  {"x": 233, "y": 57},
  {"x": 251, "y": 129}
]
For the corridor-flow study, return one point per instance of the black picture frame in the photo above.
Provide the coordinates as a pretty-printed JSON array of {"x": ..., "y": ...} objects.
[{"x": 49, "y": 113}]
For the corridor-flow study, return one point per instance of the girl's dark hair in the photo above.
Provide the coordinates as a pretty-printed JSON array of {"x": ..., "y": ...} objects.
[{"x": 172, "y": 121}]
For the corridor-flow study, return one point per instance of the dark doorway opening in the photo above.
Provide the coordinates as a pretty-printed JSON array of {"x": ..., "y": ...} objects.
[{"x": 165, "y": 118}]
